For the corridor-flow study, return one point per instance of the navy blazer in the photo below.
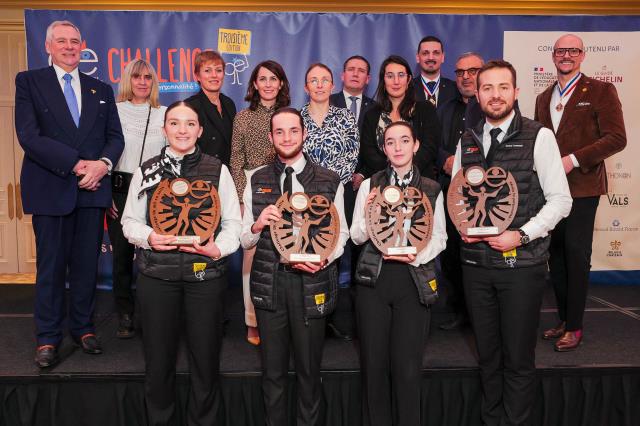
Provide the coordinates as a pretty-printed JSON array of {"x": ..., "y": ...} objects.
[
  {"x": 448, "y": 91},
  {"x": 53, "y": 144},
  {"x": 338, "y": 99}
]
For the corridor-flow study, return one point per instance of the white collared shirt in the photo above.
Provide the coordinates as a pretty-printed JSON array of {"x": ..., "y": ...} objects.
[
  {"x": 438, "y": 241},
  {"x": 134, "y": 217},
  {"x": 553, "y": 181},
  {"x": 248, "y": 239},
  {"x": 556, "y": 116},
  {"x": 75, "y": 83},
  {"x": 348, "y": 102}
]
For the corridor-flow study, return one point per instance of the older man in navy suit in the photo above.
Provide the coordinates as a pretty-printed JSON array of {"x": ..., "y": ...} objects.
[{"x": 68, "y": 126}]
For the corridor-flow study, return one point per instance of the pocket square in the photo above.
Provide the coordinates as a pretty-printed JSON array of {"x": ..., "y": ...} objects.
[{"x": 102, "y": 102}]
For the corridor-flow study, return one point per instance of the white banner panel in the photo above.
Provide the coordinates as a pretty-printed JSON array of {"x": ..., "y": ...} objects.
[{"x": 613, "y": 57}]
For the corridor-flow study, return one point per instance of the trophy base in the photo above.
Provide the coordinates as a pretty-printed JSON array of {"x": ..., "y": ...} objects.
[
  {"x": 400, "y": 251},
  {"x": 186, "y": 240},
  {"x": 482, "y": 231},
  {"x": 304, "y": 257}
]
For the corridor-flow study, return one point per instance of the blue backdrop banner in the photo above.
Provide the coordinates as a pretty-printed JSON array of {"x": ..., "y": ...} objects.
[{"x": 170, "y": 41}]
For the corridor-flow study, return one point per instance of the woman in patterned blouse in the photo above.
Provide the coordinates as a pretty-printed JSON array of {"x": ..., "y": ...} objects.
[
  {"x": 332, "y": 132},
  {"x": 396, "y": 100},
  {"x": 250, "y": 148}
]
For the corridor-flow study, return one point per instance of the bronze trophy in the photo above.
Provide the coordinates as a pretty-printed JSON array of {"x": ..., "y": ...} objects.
[
  {"x": 188, "y": 210},
  {"x": 309, "y": 228},
  {"x": 399, "y": 222},
  {"x": 469, "y": 197}
]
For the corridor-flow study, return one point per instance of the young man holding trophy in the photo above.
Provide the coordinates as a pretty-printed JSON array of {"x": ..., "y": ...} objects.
[
  {"x": 294, "y": 214},
  {"x": 510, "y": 193}
]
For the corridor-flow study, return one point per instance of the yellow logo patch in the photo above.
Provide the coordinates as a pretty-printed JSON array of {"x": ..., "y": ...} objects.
[
  {"x": 433, "y": 284},
  {"x": 319, "y": 298},
  {"x": 510, "y": 253},
  {"x": 199, "y": 267}
]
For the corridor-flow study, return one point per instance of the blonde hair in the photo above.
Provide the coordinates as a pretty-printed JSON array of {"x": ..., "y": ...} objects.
[{"x": 137, "y": 67}]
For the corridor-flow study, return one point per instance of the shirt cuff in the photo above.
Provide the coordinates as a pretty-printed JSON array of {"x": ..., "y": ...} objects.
[
  {"x": 108, "y": 163},
  {"x": 574, "y": 160}
]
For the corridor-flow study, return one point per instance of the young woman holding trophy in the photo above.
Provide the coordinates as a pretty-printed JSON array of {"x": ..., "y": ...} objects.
[
  {"x": 183, "y": 212},
  {"x": 396, "y": 278}
]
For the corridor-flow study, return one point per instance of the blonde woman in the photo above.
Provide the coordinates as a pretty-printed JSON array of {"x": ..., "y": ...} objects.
[{"x": 142, "y": 118}]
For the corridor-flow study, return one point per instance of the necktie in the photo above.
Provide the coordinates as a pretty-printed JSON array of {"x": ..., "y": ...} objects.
[
  {"x": 288, "y": 181},
  {"x": 70, "y": 97},
  {"x": 354, "y": 106},
  {"x": 494, "y": 144},
  {"x": 431, "y": 85}
]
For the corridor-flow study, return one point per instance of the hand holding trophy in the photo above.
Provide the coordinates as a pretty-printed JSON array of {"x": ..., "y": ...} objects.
[{"x": 482, "y": 203}]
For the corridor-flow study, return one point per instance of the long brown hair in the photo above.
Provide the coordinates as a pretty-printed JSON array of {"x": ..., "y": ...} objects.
[
  {"x": 253, "y": 97},
  {"x": 382, "y": 97}
]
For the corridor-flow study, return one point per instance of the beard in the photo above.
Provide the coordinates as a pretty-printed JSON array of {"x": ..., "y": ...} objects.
[
  {"x": 289, "y": 152},
  {"x": 500, "y": 114}
]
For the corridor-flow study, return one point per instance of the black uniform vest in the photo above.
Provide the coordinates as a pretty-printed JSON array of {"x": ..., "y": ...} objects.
[
  {"x": 176, "y": 265},
  {"x": 320, "y": 289},
  {"x": 370, "y": 260},
  {"x": 514, "y": 154}
]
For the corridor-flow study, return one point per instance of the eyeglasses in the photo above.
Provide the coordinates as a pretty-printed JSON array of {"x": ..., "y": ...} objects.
[
  {"x": 470, "y": 71},
  {"x": 561, "y": 51},
  {"x": 391, "y": 76},
  {"x": 316, "y": 82}
]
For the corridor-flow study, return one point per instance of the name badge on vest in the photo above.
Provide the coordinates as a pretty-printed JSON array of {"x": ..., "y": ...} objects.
[
  {"x": 309, "y": 228},
  {"x": 482, "y": 203},
  {"x": 399, "y": 221},
  {"x": 190, "y": 210}
]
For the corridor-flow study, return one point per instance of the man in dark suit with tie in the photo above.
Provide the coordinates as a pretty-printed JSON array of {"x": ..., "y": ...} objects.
[
  {"x": 586, "y": 116},
  {"x": 356, "y": 73},
  {"x": 430, "y": 85},
  {"x": 68, "y": 126}
]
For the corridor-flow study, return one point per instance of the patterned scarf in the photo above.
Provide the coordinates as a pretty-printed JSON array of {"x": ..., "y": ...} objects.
[
  {"x": 152, "y": 174},
  {"x": 404, "y": 182}
]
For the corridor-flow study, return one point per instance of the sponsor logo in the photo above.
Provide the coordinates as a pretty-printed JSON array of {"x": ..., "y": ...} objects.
[
  {"x": 237, "y": 42},
  {"x": 619, "y": 172},
  {"x": 607, "y": 75},
  {"x": 618, "y": 200},
  {"x": 262, "y": 190},
  {"x": 615, "y": 249},
  {"x": 471, "y": 150},
  {"x": 616, "y": 226},
  {"x": 542, "y": 79}
]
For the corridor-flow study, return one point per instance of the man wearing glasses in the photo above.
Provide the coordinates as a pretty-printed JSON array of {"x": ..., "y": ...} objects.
[
  {"x": 456, "y": 115},
  {"x": 586, "y": 116}
]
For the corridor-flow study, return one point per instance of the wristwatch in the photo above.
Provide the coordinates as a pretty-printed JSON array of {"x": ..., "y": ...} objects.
[{"x": 524, "y": 238}]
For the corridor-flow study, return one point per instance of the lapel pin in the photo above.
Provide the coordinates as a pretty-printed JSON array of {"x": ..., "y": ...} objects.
[
  {"x": 93, "y": 91},
  {"x": 584, "y": 89}
]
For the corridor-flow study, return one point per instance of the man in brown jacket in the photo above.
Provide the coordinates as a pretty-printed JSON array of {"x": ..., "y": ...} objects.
[{"x": 586, "y": 116}]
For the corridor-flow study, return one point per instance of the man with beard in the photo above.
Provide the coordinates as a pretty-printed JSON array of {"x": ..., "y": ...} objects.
[
  {"x": 504, "y": 275},
  {"x": 292, "y": 300},
  {"x": 456, "y": 116},
  {"x": 430, "y": 85},
  {"x": 586, "y": 116}
]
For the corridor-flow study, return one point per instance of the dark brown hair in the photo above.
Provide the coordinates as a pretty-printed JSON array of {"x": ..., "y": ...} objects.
[
  {"x": 286, "y": 110},
  {"x": 319, "y": 65},
  {"x": 400, "y": 124},
  {"x": 408, "y": 102},
  {"x": 497, "y": 63},
  {"x": 253, "y": 97},
  {"x": 181, "y": 103}
]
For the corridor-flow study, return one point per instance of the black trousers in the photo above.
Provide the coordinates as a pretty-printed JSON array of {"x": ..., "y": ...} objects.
[
  {"x": 122, "y": 260},
  {"x": 278, "y": 329},
  {"x": 570, "y": 260},
  {"x": 391, "y": 326},
  {"x": 163, "y": 305},
  {"x": 504, "y": 308}
]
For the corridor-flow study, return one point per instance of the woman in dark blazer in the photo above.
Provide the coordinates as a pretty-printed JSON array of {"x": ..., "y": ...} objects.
[
  {"x": 396, "y": 101},
  {"x": 215, "y": 110}
]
